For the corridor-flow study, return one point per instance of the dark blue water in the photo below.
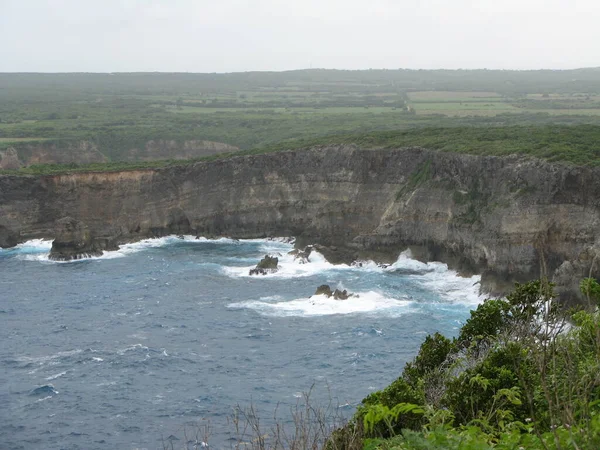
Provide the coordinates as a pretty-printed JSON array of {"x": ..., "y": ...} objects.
[{"x": 124, "y": 350}]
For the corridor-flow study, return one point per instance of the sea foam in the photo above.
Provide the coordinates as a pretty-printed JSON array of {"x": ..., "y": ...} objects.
[
  {"x": 39, "y": 249},
  {"x": 321, "y": 305}
]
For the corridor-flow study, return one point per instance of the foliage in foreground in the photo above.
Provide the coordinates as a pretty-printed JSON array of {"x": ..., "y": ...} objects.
[{"x": 520, "y": 375}]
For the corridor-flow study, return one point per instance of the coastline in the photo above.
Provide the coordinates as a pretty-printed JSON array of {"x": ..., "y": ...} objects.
[{"x": 507, "y": 218}]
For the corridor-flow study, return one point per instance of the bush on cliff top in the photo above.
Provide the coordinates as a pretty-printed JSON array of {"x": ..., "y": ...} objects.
[{"x": 519, "y": 375}]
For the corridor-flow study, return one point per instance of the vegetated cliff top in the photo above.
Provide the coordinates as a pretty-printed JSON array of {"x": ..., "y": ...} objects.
[{"x": 577, "y": 145}]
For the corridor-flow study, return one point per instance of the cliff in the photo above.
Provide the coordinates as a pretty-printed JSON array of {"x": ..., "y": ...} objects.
[
  {"x": 68, "y": 152},
  {"x": 86, "y": 152},
  {"x": 508, "y": 218},
  {"x": 171, "y": 149}
]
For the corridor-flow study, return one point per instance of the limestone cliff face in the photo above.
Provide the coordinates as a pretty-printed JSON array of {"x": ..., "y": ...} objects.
[
  {"x": 509, "y": 218},
  {"x": 9, "y": 159},
  {"x": 170, "y": 149},
  {"x": 78, "y": 152},
  {"x": 86, "y": 152}
]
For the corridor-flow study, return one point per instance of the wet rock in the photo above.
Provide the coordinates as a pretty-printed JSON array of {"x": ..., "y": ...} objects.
[
  {"x": 341, "y": 295},
  {"x": 324, "y": 289},
  {"x": 336, "y": 255},
  {"x": 338, "y": 294},
  {"x": 8, "y": 238},
  {"x": 269, "y": 264},
  {"x": 302, "y": 256},
  {"x": 74, "y": 241},
  {"x": 284, "y": 240}
]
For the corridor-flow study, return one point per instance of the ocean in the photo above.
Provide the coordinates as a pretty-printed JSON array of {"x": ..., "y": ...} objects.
[{"x": 131, "y": 349}]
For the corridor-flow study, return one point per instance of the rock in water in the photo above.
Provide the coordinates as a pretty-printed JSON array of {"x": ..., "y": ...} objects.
[
  {"x": 324, "y": 289},
  {"x": 266, "y": 265},
  {"x": 301, "y": 256},
  {"x": 73, "y": 241},
  {"x": 341, "y": 295}
]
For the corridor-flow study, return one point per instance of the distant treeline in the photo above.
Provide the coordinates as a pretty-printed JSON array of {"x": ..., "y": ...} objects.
[{"x": 504, "y": 81}]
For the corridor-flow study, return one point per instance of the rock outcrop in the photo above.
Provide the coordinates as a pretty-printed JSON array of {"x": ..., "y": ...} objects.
[
  {"x": 508, "y": 218},
  {"x": 302, "y": 256},
  {"x": 9, "y": 159},
  {"x": 269, "y": 264},
  {"x": 73, "y": 240},
  {"x": 86, "y": 152},
  {"x": 8, "y": 238},
  {"x": 338, "y": 294}
]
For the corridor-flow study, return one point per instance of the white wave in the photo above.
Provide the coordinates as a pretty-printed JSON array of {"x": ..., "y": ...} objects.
[
  {"x": 432, "y": 276},
  {"x": 54, "y": 377},
  {"x": 43, "y": 399},
  {"x": 131, "y": 348},
  {"x": 321, "y": 305},
  {"x": 37, "y": 245},
  {"x": 97, "y": 359},
  {"x": 289, "y": 268},
  {"x": 39, "y": 249},
  {"x": 33, "y": 249},
  {"x": 406, "y": 264},
  {"x": 455, "y": 289},
  {"x": 437, "y": 278}
]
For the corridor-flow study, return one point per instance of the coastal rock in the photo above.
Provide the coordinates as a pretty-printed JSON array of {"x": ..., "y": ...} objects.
[
  {"x": 269, "y": 264},
  {"x": 570, "y": 273},
  {"x": 342, "y": 295},
  {"x": 338, "y": 294},
  {"x": 73, "y": 241},
  {"x": 324, "y": 289},
  {"x": 337, "y": 254},
  {"x": 8, "y": 238},
  {"x": 302, "y": 256}
]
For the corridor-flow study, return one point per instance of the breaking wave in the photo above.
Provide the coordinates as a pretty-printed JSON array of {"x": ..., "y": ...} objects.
[{"x": 321, "y": 305}]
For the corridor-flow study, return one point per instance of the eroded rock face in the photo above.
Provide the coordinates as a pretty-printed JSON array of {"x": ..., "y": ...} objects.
[
  {"x": 570, "y": 273},
  {"x": 68, "y": 152},
  {"x": 86, "y": 152},
  {"x": 269, "y": 264},
  {"x": 509, "y": 218},
  {"x": 9, "y": 159},
  {"x": 8, "y": 238},
  {"x": 74, "y": 241},
  {"x": 170, "y": 149}
]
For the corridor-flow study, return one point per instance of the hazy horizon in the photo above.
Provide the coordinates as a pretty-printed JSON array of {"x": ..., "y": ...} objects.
[
  {"x": 299, "y": 70},
  {"x": 198, "y": 36}
]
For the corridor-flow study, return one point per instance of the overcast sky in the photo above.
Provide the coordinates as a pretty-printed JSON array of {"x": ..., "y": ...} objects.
[{"x": 243, "y": 35}]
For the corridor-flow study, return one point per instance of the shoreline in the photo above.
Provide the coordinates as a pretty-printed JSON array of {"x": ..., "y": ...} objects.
[{"x": 507, "y": 218}]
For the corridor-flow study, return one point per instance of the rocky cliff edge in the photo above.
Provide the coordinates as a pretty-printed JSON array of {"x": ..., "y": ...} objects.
[{"x": 510, "y": 219}]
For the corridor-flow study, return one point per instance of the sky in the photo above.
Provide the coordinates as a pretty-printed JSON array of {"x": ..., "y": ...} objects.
[{"x": 238, "y": 35}]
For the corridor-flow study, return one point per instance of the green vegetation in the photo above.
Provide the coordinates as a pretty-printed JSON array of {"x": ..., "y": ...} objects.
[
  {"x": 422, "y": 174},
  {"x": 449, "y": 110},
  {"x": 520, "y": 375},
  {"x": 578, "y": 145}
]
